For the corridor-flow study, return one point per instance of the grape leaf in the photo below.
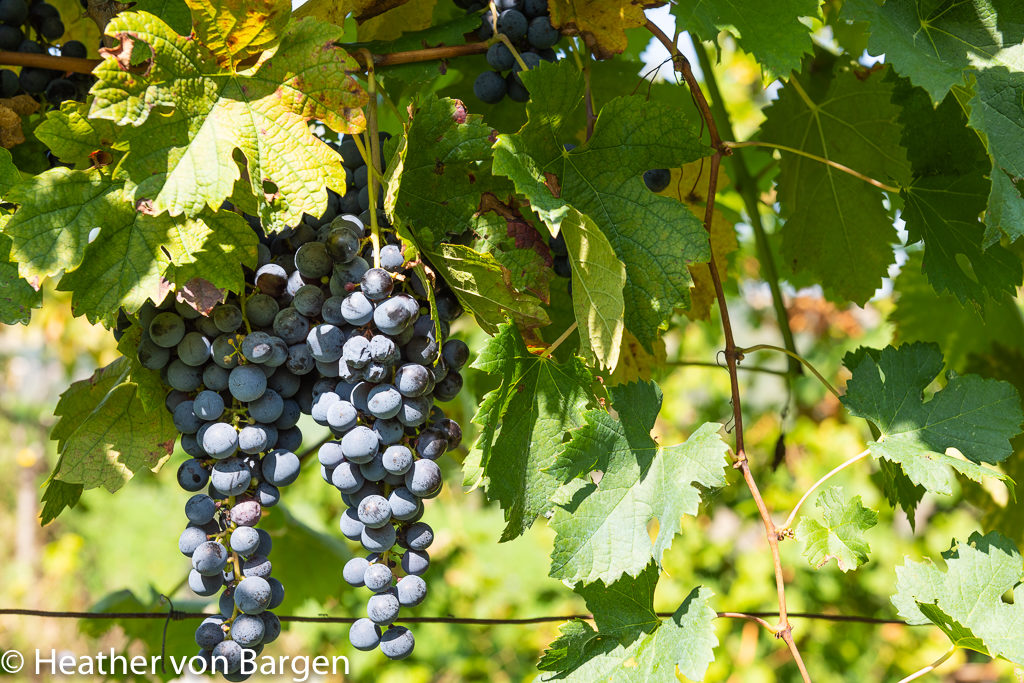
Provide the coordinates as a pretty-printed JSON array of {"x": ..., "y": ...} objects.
[
  {"x": 632, "y": 643},
  {"x": 237, "y": 30},
  {"x": 129, "y": 259},
  {"x": 944, "y": 201},
  {"x": 514, "y": 242},
  {"x": 771, "y": 31},
  {"x": 104, "y": 434},
  {"x": 410, "y": 15},
  {"x": 17, "y": 296},
  {"x": 836, "y": 228},
  {"x": 655, "y": 237},
  {"x": 175, "y": 12},
  {"x": 522, "y": 423},
  {"x": 335, "y": 12},
  {"x": 603, "y": 532},
  {"x": 480, "y": 285},
  {"x": 997, "y": 114},
  {"x": 73, "y": 137},
  {"x": 57, "y": 497},
  {"x": 966, "y": 600},
  {"x": 185, "y": 158},
  {"x": 602, "y": 24},
  {"x": 435, "y": 180},
  {"x": 597, "y": 281},
  {"x": 841, "y": 537},
  {"x": 976, "y": 416},
  {"x": 933, "y": 43}
]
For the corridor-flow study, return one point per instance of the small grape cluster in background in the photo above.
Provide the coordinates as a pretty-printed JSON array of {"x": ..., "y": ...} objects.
[
  {"x": 31, "y": 28},
  {"x": 527, "y": 26}
]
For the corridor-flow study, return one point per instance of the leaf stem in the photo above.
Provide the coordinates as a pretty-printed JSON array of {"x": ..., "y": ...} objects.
[
  {"x": 787, "y": 525},
  {"x": 709, "y": 364},
  {"x": 828, "y": 162},
  {"x": 746, "y": 186},
  {"x": 784, "y": 629},
  {"x": 558, "y": 342},
  {"x": 794, "y": 356},
  {"x": 931, "y": 667}
]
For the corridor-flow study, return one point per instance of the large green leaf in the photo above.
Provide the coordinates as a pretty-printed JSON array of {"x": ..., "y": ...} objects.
[
  {"x": 841, "y": 537},
  {"x": 997, "y": 114},
  {"x": 113, "y": 253},
  {"x": 655, "y": 237},
  {"x": 631, "y": 643},
  {"x": 771, "y": 31},
  {"x": 184, "y": 158},
  {"x": 605, "y": 530},
  {"x": 836, "y": 227},
  {"x": 966, "y": 600},
  {"x": 933, "y": 43},
  {"x": 105, "y": 435},
  {"x": 975, "y": 416},
  {"x": 522, "y": 425}
]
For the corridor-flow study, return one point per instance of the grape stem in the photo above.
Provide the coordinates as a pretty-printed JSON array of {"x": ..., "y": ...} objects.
[
  {"x": 504, "y": 39},
  {"x": 786, "y": 529},
  {"x": 784, "y": 629},
  {"x": 931, "y": 667},
  {"x": 558, "y": 342},
  {"x": 794, "y": 356}
]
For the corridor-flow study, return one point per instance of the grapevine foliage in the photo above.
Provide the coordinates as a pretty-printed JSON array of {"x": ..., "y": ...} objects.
[{"x": 229, "y": 150}]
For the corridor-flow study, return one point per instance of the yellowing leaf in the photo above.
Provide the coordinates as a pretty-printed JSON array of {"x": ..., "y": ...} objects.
[
  {"x": 234, "y": 30},
  {"x": 601, "y": 23},
  {"x": 406, "y": 17}
]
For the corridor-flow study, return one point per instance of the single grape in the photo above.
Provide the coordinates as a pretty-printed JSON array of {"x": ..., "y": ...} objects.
[
  {"x": 257, "y": 347},
  {"x": 347, "y": 477},
  {"x": 342, "y": 245},
  {"x": 261, "y": 309},
  {"x": 490, "y": 87},
  {"x": 326, "y": 342},
  {"x": 364, "y": 634},
  {"x": 657, "y": 179},
  {"x": 313, "y": 260},
  {"x": 354, "y": 571},
  {"x": 397, "y": 643},
  {"x": 378, "y": 540},
  {"x": 415, "y": 411},
  {"x": 383, "y": 608},
  {"x": 210, "y": 632},
  {"x": 200, "y": 509},
  {"x": 244, "y": 540},
  {"x": 404, "y": 505},
  {"x": 246, "y": 513},
  {"x": 271, "y": 625},
  {"x": 378, "y": 577},
  {"x": 449, "y": 387},
  {"x": 412, "y": 590},
  {"x": 223, "y": 352},
  {"x": 183, "y": 377},
  {"x": 271, "y": 279},
  {"x": 415, "y": 562},
  {"x": 209, "y": 558},
  {"x": 247, "y": 383},
  {"x": 247, "y": 630},
  {"x": 185, "y": 419},
  {"x": 513, "y": 24},
  {"x": 342, "y": 416},
  {"x": 500, "y": 59},
  {"x": 194, "y": 349},
  {"x": 360, "y": 444},
  {"x": 423, "y": 478},
  {"x": 455, "y": 353},
  {"x": 208, "y": 405},
  {"x": 330, "y": 454},
  {"x": 191, "y": 538},
  {"x": 257, "y": 565},
  {"x": 376, "y": 284},
  {"x": 252, "y": 594},
  {"x": 351, "y": 527},
  {"x": 267, "y": 408},
  {"x": 373, "y": 470},
  {"x": 205, "y": 585},
  {"x": 267, "y": 495},
  {"x": 309, "y": 301},
  {"x": 384, "y": 401},
  {"x": 231, "y": 477},
  {"x": 220, "y": 440},
  {"x": 374, "y": 511},
  {"x": 152, "y": 356},
  {"x": 227, "y": 317},
  {"x": 254, "y": 439},
  {"x": 281, "y": 467},
  {"x": 266, "y": 543},
  {"x": 391, "y": 258},
  {"x": 167, "y": 329},
  {"x": 419, "y": 536},
  {"x": 227, "y": 657},
  {"x": 356, "y": 351},
  {"x": 541, "y": 33}
]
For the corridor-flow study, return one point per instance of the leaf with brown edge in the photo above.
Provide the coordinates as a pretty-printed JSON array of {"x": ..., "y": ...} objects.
[
  {"x": 236, "y": 30},
  {"x": 601, "y": 23}
]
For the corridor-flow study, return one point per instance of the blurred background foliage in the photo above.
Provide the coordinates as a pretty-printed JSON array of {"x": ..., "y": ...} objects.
[{"x": 117, "y": 553}]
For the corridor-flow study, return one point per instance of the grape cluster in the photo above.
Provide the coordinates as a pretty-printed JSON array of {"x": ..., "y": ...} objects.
[
  {"x": 383, "y": 360},
  {"x": 18, "y": 21},
  {"x": 231, "y": 400},
  {"x": 527, "y": 25}
]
